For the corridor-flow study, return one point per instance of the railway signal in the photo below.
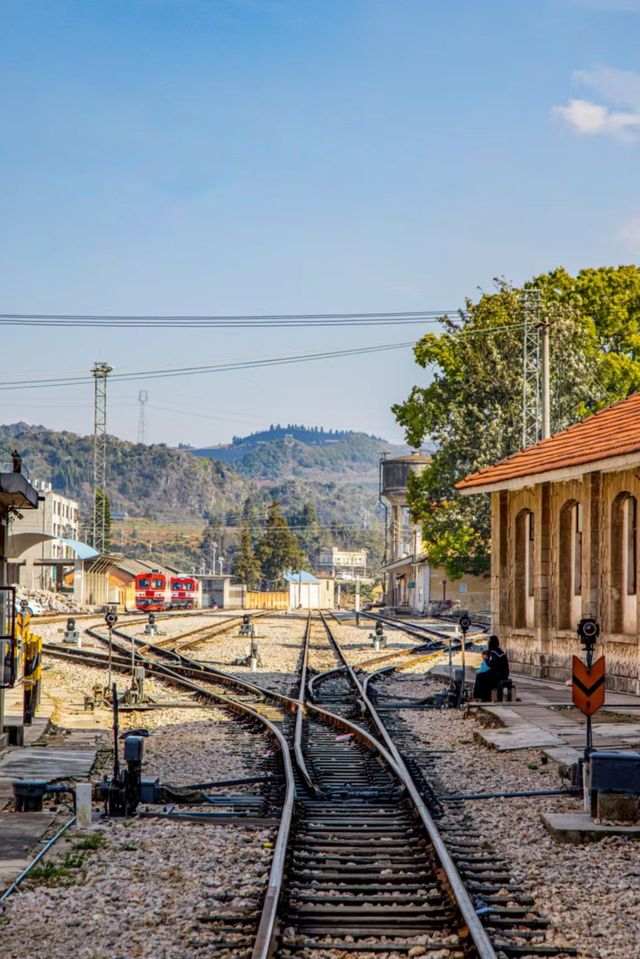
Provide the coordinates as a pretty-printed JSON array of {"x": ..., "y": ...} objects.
[{"x": 588, "y": 679}]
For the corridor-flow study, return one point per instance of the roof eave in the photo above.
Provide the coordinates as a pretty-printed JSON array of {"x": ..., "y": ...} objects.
[{"x": 561, "y": 475}]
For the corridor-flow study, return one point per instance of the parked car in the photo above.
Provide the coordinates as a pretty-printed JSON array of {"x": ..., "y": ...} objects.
[{"x": 31, "y": 606}]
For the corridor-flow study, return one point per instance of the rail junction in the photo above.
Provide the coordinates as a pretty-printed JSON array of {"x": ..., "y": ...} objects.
[{"x": 370, "y": 854}]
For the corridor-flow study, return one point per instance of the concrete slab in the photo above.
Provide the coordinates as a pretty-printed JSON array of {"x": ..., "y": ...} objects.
[
  {"x": 20, "y": 832},
  {"x": 518, "y": 737},
  {"x": 579, "y": 827},
  {"x": 46, "y": 762}
]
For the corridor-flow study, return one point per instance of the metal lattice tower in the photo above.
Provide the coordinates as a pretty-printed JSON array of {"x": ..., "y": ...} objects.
[
  {"x": 100, "y": 372},
  {"x": 143, "y": 396},
  {"x": 531, "y": 371}
]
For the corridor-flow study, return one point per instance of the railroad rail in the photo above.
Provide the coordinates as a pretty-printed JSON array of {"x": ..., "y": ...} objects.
[
  {"x": 359, "y": 861},
  {"x": 509, "y": 912}
]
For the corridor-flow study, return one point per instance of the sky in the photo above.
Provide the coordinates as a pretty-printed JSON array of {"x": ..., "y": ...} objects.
[{"x": 295, "y": 156}]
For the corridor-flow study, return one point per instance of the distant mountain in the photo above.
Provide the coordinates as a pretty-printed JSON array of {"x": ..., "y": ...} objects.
[
  {"x": 309, "y": 453},
  {"x": 156, "y": 482}
]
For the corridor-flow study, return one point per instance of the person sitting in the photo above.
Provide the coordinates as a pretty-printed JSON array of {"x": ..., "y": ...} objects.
[{"x": 497, "y": 671}]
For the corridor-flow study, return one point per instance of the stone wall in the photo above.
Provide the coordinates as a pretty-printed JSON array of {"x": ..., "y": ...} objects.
[{"x": 544, "y": 644}]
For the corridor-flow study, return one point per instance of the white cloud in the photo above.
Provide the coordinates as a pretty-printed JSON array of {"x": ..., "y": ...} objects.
[
  {"x": 588, "y": 118},
  {"x": 619, "y": 88}
]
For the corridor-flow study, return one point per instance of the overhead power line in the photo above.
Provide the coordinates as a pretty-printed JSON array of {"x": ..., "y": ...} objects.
[
  {"x": 81, "y": 379},
  {"x": 154, "y": 321},
  {"x": 209, "y": 368}
]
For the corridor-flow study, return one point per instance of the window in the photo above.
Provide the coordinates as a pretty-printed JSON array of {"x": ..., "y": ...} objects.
[
  {"x": 623, "y": 575},
  {"x": 577, "y": 550},
  {"x": 524, "y": 569},
  {"x": 158, "y": 583},
  {"x": 570, "y": 566},
  {"x": 143, "y": 584}
]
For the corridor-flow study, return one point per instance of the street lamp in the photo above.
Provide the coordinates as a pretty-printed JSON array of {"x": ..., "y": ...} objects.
[{"x": 221, "y": 561}]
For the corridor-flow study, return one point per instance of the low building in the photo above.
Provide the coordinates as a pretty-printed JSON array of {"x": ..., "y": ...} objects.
[
  {"x": 308, "y": 592},
  {"x": 344, "y": 564},
  {"x": 412, "y": 584},
  {"x": 43, "y": 544},
  {"x": 565, "y": 545}
]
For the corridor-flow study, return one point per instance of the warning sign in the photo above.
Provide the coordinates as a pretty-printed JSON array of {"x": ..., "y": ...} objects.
[{"x": 587, "y": 688}]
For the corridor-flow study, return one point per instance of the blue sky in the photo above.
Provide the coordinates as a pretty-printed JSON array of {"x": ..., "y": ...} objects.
[{"x": 262, "y": 156}]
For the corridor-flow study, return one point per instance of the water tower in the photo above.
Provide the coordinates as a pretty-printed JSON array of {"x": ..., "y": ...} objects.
[{"x": 394, "y": 483}]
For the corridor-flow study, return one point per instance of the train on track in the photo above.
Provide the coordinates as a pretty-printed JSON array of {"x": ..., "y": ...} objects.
[{"x": 156, "y": 592}]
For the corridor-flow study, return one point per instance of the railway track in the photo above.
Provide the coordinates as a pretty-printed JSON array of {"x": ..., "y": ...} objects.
[
  {"x": 516, "y": 929},
  {"x": 359, "y": 863}
]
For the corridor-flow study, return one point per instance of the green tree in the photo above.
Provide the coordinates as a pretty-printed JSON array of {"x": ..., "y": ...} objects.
[
  {"x": 278, "y": 549},
  {"x": 247, "y": 567},
  {"x": 471, "y": 409}
]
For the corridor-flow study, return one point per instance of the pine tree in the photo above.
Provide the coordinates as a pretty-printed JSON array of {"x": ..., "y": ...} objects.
[
  {"x": 278, "y": 549},
  {"x": 247, "y": 567}
]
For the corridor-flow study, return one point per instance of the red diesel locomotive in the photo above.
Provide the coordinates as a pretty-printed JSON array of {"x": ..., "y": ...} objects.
[
  {"x": 156, "y": 592},
  {"x": 186, "y": 592}
]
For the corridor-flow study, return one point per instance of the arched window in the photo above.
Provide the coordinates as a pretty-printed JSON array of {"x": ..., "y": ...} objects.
[
  {"x": 624, "y": 552},
  {"x": 524, "y": 569},
  {"x": 570, "y": 566}
]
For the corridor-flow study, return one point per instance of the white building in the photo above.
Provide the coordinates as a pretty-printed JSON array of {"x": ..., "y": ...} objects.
[
  {"x": 308, "y": 592},
  {"x": 345, "y": 564},
  {"x": 38, "y": 563}
]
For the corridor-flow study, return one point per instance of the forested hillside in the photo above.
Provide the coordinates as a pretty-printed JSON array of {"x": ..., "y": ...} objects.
[
  {"x": 176, "y": 502},
  {"x": 155, "y": 482},
  {"x": 306, "y": 452}
]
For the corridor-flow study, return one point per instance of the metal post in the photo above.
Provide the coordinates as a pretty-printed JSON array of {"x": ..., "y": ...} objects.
[
  {"x": 546, "y": 385},
  {"x": 143, "y": 396},
  {"x": 531, "y": 401},
  {"x": 100, "y": 372},
  {"x": 110, "y": 656}
]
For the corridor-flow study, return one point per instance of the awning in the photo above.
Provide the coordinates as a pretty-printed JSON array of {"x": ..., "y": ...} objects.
[{"x": 19, "y": 542}]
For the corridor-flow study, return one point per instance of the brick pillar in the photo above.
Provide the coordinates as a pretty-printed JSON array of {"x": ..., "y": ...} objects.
[{"x": 543, "y": 624}]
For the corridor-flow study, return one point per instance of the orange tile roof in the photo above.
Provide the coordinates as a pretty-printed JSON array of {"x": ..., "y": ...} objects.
[{"x": 609, "y": 433}]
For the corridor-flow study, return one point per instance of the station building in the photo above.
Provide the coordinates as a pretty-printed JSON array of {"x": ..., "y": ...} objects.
[
  {"x": 565, "y": 545},
  {"x": 411, "y": 583}
]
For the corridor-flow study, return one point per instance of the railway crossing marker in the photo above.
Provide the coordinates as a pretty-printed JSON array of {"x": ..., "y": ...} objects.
[{"x": 587, "y": 687}]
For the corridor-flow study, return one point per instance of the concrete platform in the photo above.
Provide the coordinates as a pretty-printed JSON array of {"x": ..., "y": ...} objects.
[
  {"x": 46, "y": 762},
  {"x": 539, "y": 721},
  {"x": 579, "y": 827},
  {"x": 21, "y": 834}
]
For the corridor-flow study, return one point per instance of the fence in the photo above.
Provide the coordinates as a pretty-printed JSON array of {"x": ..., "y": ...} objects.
[{"x": 260, "y": 599}]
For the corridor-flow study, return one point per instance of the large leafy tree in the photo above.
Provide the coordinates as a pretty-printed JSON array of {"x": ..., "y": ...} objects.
[
  {"x": 278, "y": 549},
  {"x": 471, "y": 411}
]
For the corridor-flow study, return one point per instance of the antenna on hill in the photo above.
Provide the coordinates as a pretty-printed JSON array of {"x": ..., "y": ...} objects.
[{"x": 143, "y": 396}]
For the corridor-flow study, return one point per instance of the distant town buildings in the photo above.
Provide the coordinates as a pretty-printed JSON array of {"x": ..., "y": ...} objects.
[{"x": 343, "y": 564}]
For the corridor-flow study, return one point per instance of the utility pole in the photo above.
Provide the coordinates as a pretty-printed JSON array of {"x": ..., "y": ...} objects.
[
  {"x": 535, "y": 375},
  {"x": 546, "y": 380},
  {"x": 100, "y": 372},
  {"x": 143, "y": 396}
]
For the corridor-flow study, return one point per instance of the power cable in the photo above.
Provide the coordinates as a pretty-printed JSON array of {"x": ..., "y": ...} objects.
[{"x": 154, "y": 321}]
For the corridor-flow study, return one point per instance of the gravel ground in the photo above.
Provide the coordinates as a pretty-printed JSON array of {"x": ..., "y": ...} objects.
[
  {"x": 149, "y": 893},
  {"x": 590, "y": 893},
  {"x": 154, "y": 888}
]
